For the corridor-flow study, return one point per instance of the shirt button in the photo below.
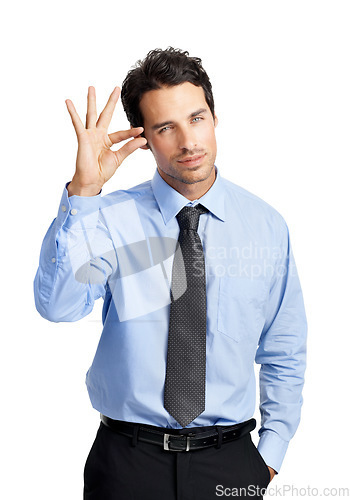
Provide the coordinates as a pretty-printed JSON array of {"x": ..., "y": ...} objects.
[
  {"x": 53, "y": 260},
  {"x": 64, "y": 208},
  {"x": 74, "y": 211}
]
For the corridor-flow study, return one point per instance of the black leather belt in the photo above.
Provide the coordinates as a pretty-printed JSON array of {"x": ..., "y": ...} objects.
[{"x": 181, "y": 442}]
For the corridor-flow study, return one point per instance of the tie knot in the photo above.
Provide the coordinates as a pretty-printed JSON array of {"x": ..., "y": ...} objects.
[{"x": 188, "y": 217}]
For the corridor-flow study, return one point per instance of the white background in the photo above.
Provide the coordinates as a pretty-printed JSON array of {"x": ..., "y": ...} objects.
[{"x": 281, "y": 80}]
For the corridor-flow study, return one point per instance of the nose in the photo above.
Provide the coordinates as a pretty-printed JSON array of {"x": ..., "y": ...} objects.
[{"x": 187, "y": 138}]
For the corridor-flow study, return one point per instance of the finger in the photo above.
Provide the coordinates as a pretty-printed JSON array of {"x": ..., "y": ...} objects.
[
  {"x": 91, "y": 114},
  {"x": 107, "y": 113},
  {"x": 123, "y": 135},
  {"x": 77, "y": 123},
  {"x": 129, "y": 148}
]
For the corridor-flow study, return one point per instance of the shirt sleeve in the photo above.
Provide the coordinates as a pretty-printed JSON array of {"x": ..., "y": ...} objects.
[
  {"x": 282, "y": 356},
  {"x": 76, "y": 259}
]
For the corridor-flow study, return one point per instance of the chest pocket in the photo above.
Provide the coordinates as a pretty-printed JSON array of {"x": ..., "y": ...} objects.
[{"x": 241, "y": 307}]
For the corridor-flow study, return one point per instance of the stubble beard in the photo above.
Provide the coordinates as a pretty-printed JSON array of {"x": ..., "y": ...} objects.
[{"x": 175, "y": 172}]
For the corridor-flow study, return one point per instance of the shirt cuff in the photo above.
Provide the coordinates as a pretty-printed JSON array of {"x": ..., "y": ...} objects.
[
  {"x": 273, "y": 449},
  {"x": 78, "y": 210}
]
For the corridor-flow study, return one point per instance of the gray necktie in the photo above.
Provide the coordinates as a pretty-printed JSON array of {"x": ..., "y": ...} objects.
[{"x": 184, "y": 394}]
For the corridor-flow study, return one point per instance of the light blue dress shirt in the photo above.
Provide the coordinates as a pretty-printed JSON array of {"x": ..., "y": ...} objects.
[{"x": 121, "y": 247}]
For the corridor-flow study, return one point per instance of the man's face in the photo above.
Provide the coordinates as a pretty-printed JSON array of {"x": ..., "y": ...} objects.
[{"x": 180, "y": 131}]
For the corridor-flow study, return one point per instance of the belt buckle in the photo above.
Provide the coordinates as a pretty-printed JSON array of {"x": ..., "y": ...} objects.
[{"x": 167, "y": 440}]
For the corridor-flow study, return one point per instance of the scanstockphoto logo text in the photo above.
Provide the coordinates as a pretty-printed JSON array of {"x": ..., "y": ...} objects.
[
  {"x": 252, "y": 491},
  {"x": 128, "y": 257}
]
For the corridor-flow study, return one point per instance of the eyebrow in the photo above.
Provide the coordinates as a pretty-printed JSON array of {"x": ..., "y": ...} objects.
[{"x": 169, "y": 122}]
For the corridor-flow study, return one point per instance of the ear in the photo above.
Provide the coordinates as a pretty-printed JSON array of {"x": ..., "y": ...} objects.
[
  {"x": 146, "y": 146},
  {"x": 216, "y": 121}
]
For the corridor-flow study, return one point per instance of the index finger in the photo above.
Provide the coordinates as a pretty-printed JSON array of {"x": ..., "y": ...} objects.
[{"x": 105, "y": 117}]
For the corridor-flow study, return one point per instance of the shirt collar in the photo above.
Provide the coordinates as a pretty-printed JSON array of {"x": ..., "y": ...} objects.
[{"x": 170, "y": 201}]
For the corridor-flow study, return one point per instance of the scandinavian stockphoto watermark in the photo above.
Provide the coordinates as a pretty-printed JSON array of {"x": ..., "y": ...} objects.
[
  {"x": 138, "y": 265},
  {"x": 288, "y": 490}
]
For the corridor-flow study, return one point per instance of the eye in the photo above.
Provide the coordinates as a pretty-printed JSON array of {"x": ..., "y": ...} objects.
[
  {"x": 197, "y": 118},
  {"x": 164, "y": 129}
]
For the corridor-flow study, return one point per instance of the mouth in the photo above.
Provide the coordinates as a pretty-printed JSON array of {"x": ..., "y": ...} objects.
[{"x": 192, "y": 160}]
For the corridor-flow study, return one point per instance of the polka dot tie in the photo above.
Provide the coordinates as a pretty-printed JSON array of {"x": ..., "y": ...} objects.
[{"x": 184, "y": 394}]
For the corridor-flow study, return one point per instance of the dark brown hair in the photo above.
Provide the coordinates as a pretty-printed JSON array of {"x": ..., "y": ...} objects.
[{"x": 166, "y": 68}]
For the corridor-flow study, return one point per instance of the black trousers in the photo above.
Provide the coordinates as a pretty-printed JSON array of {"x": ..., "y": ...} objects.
[{"x": 119, "y": 469}]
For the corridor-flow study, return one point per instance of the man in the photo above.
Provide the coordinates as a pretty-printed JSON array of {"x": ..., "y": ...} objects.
[{"x": 198, "y": 280}]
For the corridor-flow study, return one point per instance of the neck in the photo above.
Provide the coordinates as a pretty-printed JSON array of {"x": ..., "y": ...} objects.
[{"x": 192, "y": 191}]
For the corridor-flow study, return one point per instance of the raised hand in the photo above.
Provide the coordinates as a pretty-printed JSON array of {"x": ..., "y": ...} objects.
[{"x": 96, "y": 162}]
